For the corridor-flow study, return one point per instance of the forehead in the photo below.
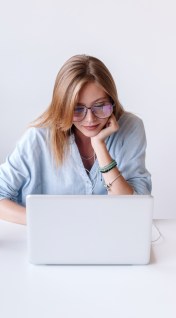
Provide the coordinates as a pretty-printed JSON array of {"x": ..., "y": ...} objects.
[{"x": 90, "y": 93}]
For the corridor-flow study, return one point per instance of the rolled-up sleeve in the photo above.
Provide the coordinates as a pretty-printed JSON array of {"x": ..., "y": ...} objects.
[
  {"x": 132, "y": 156},
  {"x": 14, "y": 173}
]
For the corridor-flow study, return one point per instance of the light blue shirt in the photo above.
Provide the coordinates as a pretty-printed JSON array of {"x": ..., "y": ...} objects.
[{"x": 30, "y": 169}]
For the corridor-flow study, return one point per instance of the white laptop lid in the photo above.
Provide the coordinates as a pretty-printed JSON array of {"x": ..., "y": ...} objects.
[{"x": 89, "y": 229}]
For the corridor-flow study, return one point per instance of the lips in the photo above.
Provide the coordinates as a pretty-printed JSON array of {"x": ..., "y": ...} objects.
[{"x": 91, "y": 127}]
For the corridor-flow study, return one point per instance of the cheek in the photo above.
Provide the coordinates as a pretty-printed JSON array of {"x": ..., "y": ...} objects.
[
  {"x": 76, "y": 125},
  {"x": 104, "y": 123}
]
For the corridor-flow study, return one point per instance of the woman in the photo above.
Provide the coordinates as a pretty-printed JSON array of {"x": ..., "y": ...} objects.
[{"x": 84, "y": 143}]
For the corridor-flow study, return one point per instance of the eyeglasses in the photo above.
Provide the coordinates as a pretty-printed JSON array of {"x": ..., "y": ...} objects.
[{"x": 100, "y": 110}]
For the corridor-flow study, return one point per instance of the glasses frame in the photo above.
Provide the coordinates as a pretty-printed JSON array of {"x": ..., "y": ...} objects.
[{"x": 87, "y": 108}]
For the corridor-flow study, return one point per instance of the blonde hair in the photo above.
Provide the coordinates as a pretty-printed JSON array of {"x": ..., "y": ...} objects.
[{"x": 74, "y": 74}]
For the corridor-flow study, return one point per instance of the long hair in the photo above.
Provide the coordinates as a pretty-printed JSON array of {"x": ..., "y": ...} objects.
[{"x": 74, "y": 74}]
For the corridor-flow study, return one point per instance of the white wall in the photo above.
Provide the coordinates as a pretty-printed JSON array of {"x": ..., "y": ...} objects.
[{"x": 136, "y": 40}]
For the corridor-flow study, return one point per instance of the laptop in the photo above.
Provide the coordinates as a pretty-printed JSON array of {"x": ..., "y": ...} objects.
[{"x": 89, "y": 229}]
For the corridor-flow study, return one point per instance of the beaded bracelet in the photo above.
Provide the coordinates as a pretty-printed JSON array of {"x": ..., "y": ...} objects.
[{"x": 110, "y": 166}]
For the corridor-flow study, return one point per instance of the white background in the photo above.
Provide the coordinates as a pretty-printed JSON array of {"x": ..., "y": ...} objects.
[{"x": 135, "y": 39}]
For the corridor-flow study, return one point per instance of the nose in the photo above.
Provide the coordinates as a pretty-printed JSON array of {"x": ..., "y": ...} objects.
[{"x": 90, "y": 117}]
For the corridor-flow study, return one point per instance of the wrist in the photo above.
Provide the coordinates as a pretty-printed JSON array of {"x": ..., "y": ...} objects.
[{"x": 97, "y": 143}]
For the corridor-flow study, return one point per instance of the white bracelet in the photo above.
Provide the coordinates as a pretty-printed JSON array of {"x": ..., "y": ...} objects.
[{"x": 108, "y": 186}]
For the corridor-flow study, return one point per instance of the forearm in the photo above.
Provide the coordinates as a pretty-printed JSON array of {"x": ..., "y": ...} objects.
[
  {"x": 12, "y": 212},
  {"x": 120, "y": 185}
]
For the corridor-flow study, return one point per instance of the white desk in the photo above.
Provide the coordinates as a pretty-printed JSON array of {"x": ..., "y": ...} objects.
[{"x": 87, "y": 291}]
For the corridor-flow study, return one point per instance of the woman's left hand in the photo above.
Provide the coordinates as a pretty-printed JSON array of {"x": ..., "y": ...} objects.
[{"x": 111, "y": 127}]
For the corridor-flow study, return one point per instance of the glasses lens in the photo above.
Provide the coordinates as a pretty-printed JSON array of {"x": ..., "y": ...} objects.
[
  {"x": 103, "y": 110},
  {"x": 79, "y": 113}
]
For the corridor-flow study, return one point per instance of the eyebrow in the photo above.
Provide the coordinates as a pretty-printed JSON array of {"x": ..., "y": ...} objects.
[{"x": 95, "y": 101}]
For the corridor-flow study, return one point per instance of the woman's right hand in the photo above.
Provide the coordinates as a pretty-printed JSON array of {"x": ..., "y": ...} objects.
[{"x": 110, "y": 128}]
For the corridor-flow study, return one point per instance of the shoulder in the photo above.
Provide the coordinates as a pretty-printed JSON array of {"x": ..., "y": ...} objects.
[
  {"x": 131, "y": 131},
  {"x": 131, "y": 127},
  {"x": 130, "y": 122},
  {"x": 32, "y": 138}
]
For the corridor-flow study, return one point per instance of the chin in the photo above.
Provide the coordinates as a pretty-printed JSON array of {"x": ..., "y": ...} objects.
[{"x": 90, "y": 134}]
